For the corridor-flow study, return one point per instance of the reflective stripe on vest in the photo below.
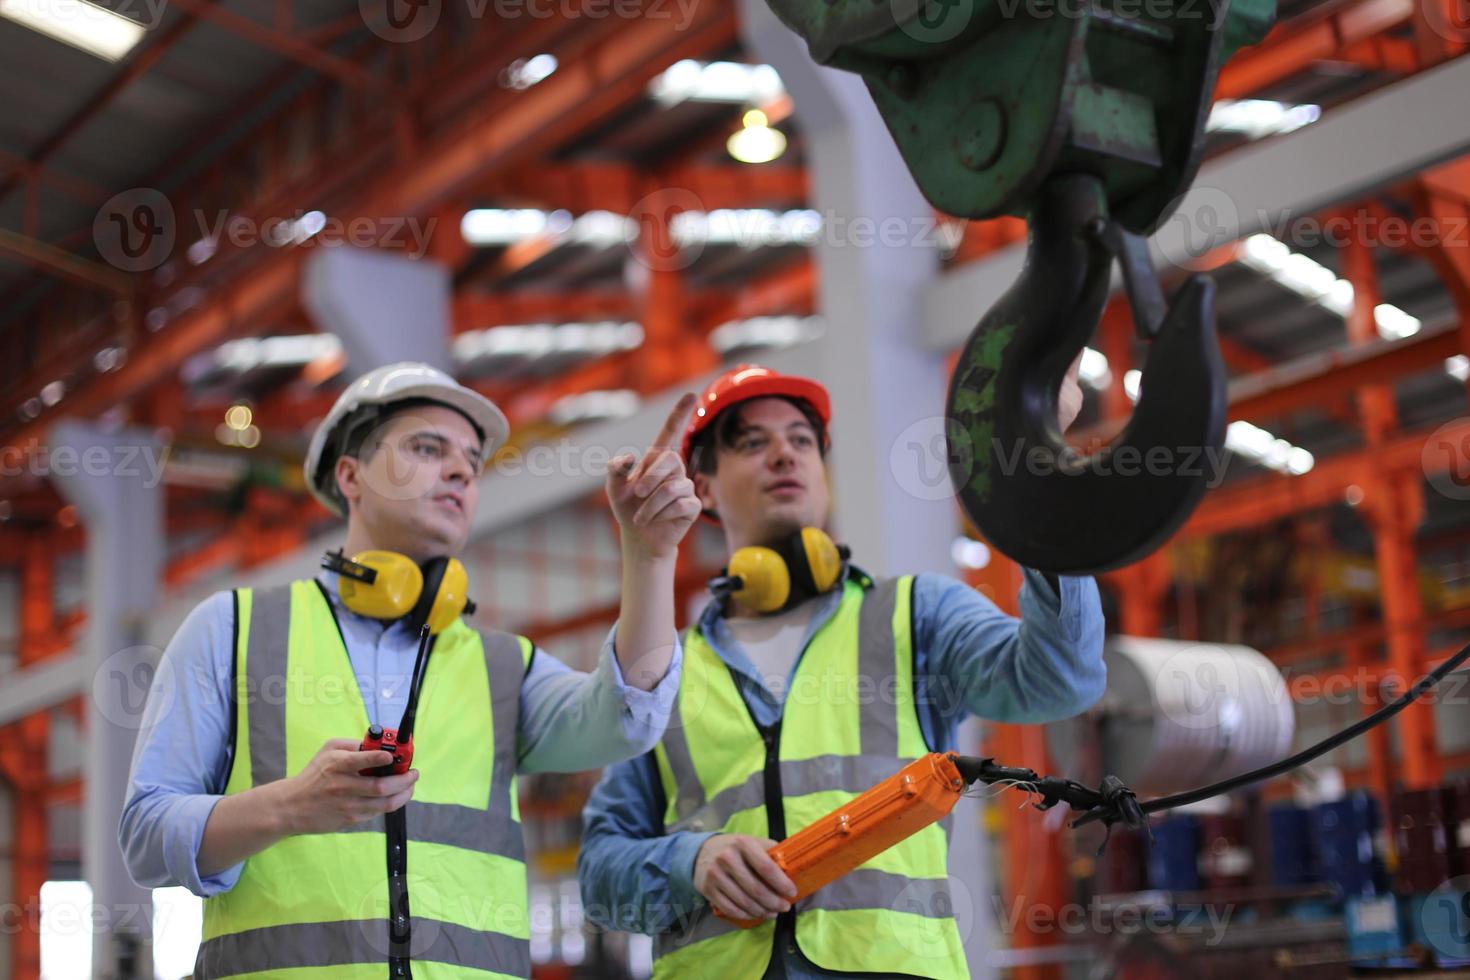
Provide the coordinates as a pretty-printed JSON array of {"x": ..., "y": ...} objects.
[
  {"x": 849, "y": 720},
  {"x": 316, "y": 906}
]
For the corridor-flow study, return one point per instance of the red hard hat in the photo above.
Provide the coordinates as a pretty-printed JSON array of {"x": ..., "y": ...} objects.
[{"x": 747, "y": 381}]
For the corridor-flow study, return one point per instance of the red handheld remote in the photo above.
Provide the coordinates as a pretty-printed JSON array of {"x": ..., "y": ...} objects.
[
  {"x": 399, "y": 741},
  {"x": 386, "y": 739}
]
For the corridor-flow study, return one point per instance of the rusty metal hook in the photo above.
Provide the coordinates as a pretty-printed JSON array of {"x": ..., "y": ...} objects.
[{"x": 1031, "y": 495}]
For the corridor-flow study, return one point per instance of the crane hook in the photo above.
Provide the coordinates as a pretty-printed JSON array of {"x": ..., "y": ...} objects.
[{"x": 1034, "y": 497}]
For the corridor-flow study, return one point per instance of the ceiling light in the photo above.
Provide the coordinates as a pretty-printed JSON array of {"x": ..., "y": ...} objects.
[
  {"x": 716, "y": 81},
  {"x": 200, "y": 252},
  {"x": 1132, "y": 384},
  {"x": 86, "y": 26},
  {"x": 591, "y": 406},
  {"x": 1308, "y": 278},
  {"x": 238, "y": 417},
  {"x": 1094, "y": 371},
  {"x": 109, "y": 359},
  {"x": 765, "y": 332},
  {"x": 1256, "y": 118},
  {"x": 756, "y": 141},
  {"x": 966, "y": 552},
  {"x": 525, "y": 72},
  {"x": 497, "y": 226}
]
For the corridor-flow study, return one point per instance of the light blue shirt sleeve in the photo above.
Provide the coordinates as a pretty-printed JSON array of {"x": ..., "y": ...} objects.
[
  {"x": 634, "y": 877},
  {"x": 182, "y": 755},
  {"x": 974, "y": 658},
  {"x": 571, "y": 721}
]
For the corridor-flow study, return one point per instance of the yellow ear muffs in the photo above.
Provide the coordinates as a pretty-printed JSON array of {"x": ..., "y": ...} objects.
[
  {"x": 824, "y": 558},
  {"x": 445, "y": 595},
  {"x": 767, "y": 579},
  {"x": 377, "y": 584},
  {"x": 389, "y": 585}
]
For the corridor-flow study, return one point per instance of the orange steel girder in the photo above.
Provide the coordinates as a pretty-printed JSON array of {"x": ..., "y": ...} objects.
[
  {"x": 1394, "y": 508},
  {"x": 605, "y": 65},
  {"x": 504, "y": 132},
  {"x": 1296, "y": 44}
]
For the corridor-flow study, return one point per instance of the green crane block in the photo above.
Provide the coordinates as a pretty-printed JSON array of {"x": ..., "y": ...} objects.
[{"x": 987, "y": 98}]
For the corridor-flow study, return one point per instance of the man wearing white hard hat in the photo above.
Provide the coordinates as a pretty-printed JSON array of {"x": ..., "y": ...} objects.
[{"x": 267, "y": 778}]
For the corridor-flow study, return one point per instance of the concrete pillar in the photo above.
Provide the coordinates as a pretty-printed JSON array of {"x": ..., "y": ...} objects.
[
  {"x": 877, "y": 256},
  {"x": 121, "y": 507},
  {"x": 383, "y": 307}
]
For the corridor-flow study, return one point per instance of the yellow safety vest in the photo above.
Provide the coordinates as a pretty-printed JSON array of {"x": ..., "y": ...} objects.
[
  {"x": 317, "y": 906},
  {"x": 849, "y": 721}
]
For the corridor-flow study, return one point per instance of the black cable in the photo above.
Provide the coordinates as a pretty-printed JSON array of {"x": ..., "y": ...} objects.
[
  {"x": 1308, "y": 754},
  {"x": 1115, "y": 803},
  {"x": 415, "y": 682}
]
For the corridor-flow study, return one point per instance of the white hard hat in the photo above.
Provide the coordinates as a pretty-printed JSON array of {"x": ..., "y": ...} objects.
[{"x": 383, "y": 387}]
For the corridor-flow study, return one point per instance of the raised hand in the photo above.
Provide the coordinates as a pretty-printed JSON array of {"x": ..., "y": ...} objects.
[{"x": 652, "y": 497}]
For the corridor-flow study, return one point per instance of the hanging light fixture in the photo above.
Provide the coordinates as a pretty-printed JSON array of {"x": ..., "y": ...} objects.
[{"x": 756, "y": 141}]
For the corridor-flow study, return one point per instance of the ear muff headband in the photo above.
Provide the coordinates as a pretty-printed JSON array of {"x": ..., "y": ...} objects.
[{"x": 389, "y": 585}]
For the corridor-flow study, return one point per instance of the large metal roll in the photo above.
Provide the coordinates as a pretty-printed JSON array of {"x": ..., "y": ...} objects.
[{"x": 1177, "y": 715}]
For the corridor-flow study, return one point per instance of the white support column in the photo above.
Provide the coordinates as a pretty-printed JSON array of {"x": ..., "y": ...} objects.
[
  {"x": 121, "y": 508},
  {"x": 383, "y": 307},
  {"x": 876, "y": 260}
]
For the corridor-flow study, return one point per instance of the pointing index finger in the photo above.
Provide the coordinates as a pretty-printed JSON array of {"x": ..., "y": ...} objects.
[{"x": 672, "y": 433}]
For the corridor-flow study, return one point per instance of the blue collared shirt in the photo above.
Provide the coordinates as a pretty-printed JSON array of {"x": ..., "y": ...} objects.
[
  {"x": 569, "y": 721},
  {"x": 969, "y": 657}
]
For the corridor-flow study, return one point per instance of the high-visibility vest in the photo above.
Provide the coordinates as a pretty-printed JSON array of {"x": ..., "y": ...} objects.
[
  {"x": 318, "y": 905},
  {"x": 849, "y": 721}
]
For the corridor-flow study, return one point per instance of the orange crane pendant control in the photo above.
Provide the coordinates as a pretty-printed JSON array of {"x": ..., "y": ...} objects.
[{"x": 919, "y": 794}]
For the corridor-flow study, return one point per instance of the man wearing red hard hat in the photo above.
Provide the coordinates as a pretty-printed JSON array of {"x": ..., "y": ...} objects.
[{"x": 806, "y": 682}]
